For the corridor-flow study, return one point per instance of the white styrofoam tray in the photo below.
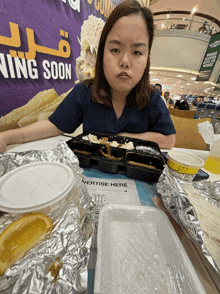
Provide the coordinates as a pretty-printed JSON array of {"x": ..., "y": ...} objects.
[{"x": 139, "y": 252}]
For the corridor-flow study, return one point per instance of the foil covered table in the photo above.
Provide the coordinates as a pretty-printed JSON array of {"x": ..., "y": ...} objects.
[
  {"x": 178, "y": 205},
  {"x": 66, "y": 251}
]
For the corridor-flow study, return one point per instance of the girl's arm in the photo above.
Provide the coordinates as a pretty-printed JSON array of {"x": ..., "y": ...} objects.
[
  {"x": 166, "y": 142},
  {"x": 39, "y": 130}
]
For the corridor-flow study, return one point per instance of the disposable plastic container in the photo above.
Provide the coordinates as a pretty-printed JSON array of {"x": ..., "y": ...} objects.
[
  {"x": 212, "y": 162},
  {"x": 184, "y": 165},
  {"x": 142, "y": 160},
  {"x": 41, "y": 186},
  {"x": 139, "y": 252}
]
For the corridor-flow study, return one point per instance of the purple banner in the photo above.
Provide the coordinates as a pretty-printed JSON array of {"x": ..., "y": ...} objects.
[{"x": 39, "y": 46}]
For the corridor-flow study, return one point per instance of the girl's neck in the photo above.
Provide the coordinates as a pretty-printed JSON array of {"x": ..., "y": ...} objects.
[
  {"x": 119, "y": 98},
  {"x": 118, "y": 102}
]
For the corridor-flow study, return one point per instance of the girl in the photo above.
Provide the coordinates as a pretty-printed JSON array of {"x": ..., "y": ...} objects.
[{"x": 119, "y": 99}]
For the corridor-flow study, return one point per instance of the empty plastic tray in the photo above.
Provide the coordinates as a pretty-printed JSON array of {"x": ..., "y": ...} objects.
[{"x": 139, "y": 252}]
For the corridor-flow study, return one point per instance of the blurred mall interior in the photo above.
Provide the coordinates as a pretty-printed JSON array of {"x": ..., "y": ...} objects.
[{"x": 185, "y": 56}]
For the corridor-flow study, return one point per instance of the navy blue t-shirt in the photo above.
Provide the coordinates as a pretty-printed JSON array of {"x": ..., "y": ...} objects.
[{"x": 78, "y": 107}]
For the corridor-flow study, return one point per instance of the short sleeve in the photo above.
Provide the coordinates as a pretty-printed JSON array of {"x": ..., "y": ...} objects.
[
  {"x": 69, "y": 114},
  {"x": 160, "y": 120}
]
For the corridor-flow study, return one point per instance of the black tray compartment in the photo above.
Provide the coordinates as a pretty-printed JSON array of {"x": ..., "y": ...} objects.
[
  {"x": 110, "y": 158},
  {"x": 144, "y": 173},
  {"x": 81, "y": 147},
  {"x": 107, "y": 166},
  {"x": 96, "y": 159},
  {"x": 84, "y": 151}
]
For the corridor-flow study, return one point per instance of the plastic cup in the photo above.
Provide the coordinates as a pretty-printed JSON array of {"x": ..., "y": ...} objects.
[
  {"x": 212, "y": 162},
  {"x": 184, "y": 165}
]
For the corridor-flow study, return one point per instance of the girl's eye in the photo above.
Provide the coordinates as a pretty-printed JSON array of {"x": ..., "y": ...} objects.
[
  {"x": 137, "y": 53},
  {"x": 115, "y": 50}
]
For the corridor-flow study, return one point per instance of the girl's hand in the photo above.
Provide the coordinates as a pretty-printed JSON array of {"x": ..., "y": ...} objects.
[
  {"x": 3, "y": 141},
  {"x": 2, "y": 145}
]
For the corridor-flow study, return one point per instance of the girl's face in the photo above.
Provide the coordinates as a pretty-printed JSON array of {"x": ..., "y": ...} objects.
[{"x": 126, "y": 53}]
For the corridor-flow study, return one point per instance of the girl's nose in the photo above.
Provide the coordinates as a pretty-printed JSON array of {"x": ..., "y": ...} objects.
[
  {"x": 124, "y": 62},
  {"x": 123, "y": 65}
]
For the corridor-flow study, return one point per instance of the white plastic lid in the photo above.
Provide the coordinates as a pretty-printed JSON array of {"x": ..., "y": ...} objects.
[
  {"x": 35, "y": 186},
  {"x": 185, "y": 158}
]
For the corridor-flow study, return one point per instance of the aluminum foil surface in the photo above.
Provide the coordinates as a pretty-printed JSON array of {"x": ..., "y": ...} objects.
[
  {"x": 177, "y": 203},
  {"x": 59, "y": 263},
  {"x": 147, "y": 150}
]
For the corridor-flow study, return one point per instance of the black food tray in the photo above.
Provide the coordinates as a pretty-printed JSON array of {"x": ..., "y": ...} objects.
[{"x": 145, "y": 162}]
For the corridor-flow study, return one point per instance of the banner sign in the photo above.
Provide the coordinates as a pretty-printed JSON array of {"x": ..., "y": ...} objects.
[
  {"x": 210, "y": 58},
  {"x": 39, "y": 45}
]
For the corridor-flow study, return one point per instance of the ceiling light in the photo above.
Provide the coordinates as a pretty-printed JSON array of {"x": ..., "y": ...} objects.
[
  {"x": 172, "y": 69},
  {"x": 155, "y": 79},
  {"x": 196, "y": 82},
  {"x": 210, "y": 83},
  {"x": 188, "y": 84},
  {"x": 194, "y": 10},
  {"x": 184, "y": 18},
  {"x": 162, "y": 26},
  {"x": 179, "y": 76},
  {"x": 168, "y": 16},
  {"x": 193, "y": 78}
]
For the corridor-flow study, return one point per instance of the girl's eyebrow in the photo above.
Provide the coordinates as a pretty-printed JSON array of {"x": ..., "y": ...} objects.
[
  {"x": 139, "y": 44},
  {"x": 117, "y": 42}
]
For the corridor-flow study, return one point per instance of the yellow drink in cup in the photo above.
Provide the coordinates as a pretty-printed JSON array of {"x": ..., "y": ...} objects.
[{"x": 212, "y": 164}]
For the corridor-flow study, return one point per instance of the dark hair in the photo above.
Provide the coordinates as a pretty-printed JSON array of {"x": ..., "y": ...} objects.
[
  {"x": 177, "y": 104},
  {"x": 141, "y": 93},
  {"x": 166, "y": 93},
  {"x": 158, "y": 85},
  {"x": 182, "y": 105}
]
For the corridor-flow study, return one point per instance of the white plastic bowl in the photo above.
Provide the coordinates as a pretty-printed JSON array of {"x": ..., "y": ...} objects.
[{"x": 40, "y": 186}]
